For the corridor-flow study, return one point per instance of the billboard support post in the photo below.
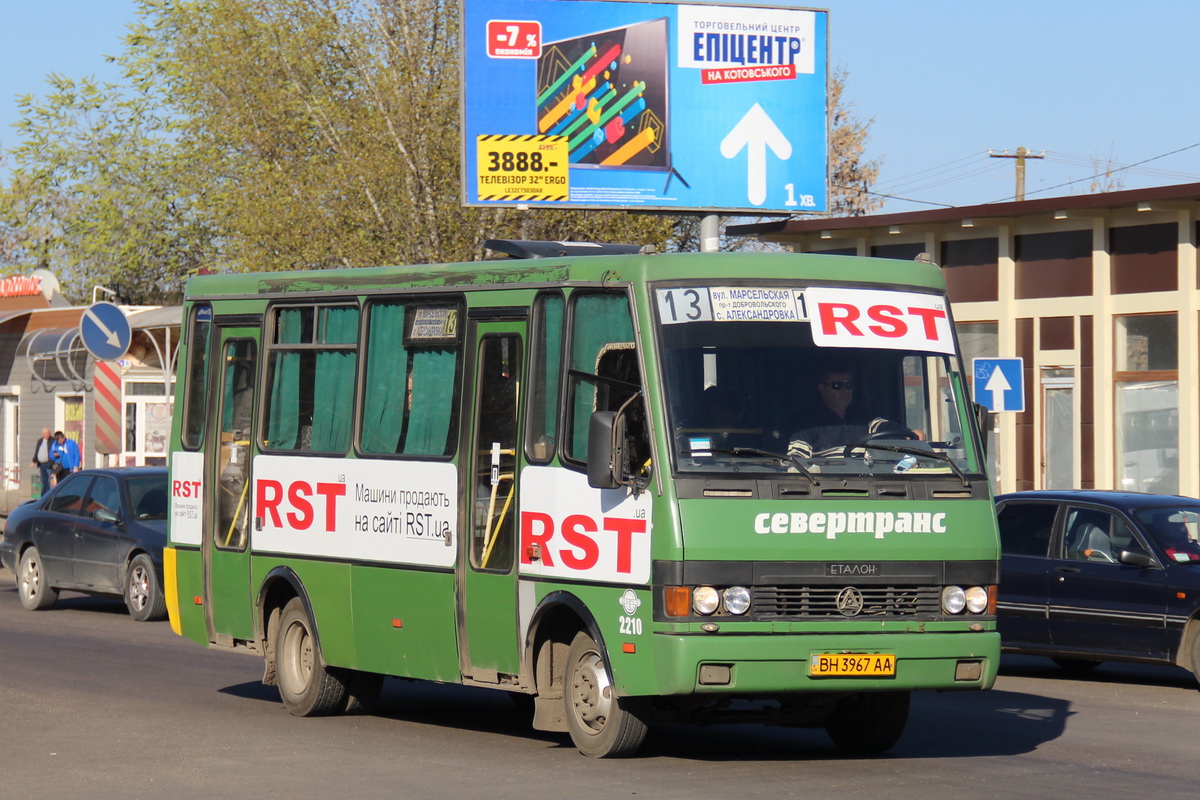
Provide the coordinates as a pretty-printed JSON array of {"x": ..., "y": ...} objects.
[{"x": 710, "y": 233}]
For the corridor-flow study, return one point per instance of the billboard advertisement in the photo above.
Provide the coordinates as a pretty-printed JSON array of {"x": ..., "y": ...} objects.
[{"x": 653, "y": 106}]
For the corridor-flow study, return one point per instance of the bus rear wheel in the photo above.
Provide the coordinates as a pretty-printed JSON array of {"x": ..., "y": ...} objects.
[
  {"x": 306, "y": 686},
  {"x": 868, "y": 723},
  {"x": 601, "y": 724}
]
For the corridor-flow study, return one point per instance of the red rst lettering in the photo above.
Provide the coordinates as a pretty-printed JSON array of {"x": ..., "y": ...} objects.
[
  {"x": 890, "y": 323},
  {"x": 331, "y": 491},
  {"x": 269, "y": 505},
  {"x": 929, "y": 316},
  {"x": 575, "y": 530},
  {"x": 298, "y": 494},
  {"x": 834, "y": 314},
  {"x": 541, "y": 538},
  {"x": 624, "y": 529}
]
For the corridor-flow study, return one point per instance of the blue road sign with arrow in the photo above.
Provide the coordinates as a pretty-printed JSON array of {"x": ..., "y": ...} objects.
[
  {"x": 1000, "y": 383},
  {"x": 105, "y": 331}
]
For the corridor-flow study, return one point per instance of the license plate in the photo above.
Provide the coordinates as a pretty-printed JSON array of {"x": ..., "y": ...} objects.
[{"x": 852, "y": 665}]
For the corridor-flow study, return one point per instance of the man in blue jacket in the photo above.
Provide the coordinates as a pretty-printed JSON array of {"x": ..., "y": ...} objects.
[{"x": 65, "y": 452}]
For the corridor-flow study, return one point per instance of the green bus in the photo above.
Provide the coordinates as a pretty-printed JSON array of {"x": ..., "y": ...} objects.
[{"x": 601, "y": 479}]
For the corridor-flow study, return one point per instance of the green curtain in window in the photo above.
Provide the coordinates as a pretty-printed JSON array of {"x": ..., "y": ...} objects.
[
  {"x": 283, "y": 421},
  {"x": 598, "y": 320},
  {"x": 433, "y": 402},
  {"x": 386, "y": 383},
  {"x": 333, "y": 391}
]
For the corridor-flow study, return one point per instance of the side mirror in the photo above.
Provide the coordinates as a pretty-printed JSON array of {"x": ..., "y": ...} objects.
[
  {"x": 1135, "y": 559},
  {"x": 106, "y": 515},
  {"x": 605, "y": 435}
]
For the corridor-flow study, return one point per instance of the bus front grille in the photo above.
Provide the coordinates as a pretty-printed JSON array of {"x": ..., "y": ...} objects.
[{"x": 823, "y": 601}]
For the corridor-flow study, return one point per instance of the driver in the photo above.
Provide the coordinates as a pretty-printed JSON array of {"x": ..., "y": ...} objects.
[
  {"x": 1179, "y": 544},
  {"x": 837, "y": 421}
]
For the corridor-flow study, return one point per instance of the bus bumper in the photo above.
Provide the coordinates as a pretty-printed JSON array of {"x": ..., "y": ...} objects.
[{"x": 778, "y": 664}]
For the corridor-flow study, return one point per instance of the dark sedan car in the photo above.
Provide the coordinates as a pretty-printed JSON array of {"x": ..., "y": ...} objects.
[
  {"x": 1092, "y": 576},
  {"x": 99, "y": 531}
]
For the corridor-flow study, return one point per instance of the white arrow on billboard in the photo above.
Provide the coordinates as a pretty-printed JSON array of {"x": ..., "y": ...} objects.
[
  {"x": 755, "y": 132},
  {"x": 997, "y": 384},
  {"x": 109, "y": 335}
]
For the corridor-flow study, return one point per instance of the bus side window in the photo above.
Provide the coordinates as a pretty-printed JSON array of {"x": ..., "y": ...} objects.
[
  {"x": 410, "y": 392},
  {"x": 195, "y": 405},
  {"x": 310, "y": 385},
  {"x": 603, "y": 370},
  {"x": 545, "y": 379}
]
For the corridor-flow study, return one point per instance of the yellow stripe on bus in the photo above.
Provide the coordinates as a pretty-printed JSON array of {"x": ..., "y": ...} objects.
[{"x": 171, "y": 588}]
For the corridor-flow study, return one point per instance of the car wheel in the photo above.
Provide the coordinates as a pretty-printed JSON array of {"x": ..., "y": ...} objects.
[
  {"x": 602, "y": 725},
  {"x": 143, "y": 594},
  {"x": 306, "y": 686},
  {"x": 35, "y": 593},
  {"x": 868, "y": 723},
  {"x": 1076, "y": 666}
]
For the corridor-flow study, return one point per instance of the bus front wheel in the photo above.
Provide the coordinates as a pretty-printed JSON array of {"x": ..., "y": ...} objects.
[
  {"x": 868, "y": 723},
  {"x": 306, "y": 686},
  {"x": 601, "y": 724}
]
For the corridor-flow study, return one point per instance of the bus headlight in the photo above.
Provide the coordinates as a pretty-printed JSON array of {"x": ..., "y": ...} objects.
[
  {"x": 737, "y": 600},
  {"x": 705, "y": 600},
  {"x": 977, "y": 599},
  {"x": 954, "y": 600}
]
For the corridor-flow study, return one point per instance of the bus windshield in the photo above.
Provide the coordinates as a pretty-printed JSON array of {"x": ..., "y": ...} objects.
[{"x": 758, "y": 387}]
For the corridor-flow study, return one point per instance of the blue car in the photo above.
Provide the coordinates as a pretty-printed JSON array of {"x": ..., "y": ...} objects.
[
  {"x": 99, "y": 531},
  {"x": 1093, "y": 576}
]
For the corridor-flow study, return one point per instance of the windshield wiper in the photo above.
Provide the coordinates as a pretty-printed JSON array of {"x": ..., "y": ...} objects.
[
  {"x": 742, "y": 452},
  {"x": 913, "y": 451}
]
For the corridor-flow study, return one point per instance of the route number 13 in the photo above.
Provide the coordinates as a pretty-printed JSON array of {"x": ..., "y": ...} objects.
[{"x": 684, "y": 305}]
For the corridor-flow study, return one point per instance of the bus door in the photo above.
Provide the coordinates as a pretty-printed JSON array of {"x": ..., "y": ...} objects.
[
  {"x": 487, "y": 575},
  {"x": 227, "y": 461}
]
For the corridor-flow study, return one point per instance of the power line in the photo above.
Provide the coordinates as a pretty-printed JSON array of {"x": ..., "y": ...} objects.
[
  {"x": 951, "y": 179},
  {"x": 1084, "y": 161},
  {"x": 893, "y": 197},
  {"x": 1106, "y": 172},
  {"x": 958, "y": 161}
]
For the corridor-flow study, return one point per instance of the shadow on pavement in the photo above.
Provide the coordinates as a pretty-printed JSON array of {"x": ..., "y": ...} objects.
[{"x": 946, "y": 725}]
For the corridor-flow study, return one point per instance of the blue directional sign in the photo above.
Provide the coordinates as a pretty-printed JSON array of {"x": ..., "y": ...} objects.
[
  {"x": 105, "y": 331},
  {"x": 1000, "y": 383},
  {"x": 644, "y": 105}
]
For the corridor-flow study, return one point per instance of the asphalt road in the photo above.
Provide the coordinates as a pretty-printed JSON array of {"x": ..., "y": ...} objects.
[{"x": 94, "y": 705}]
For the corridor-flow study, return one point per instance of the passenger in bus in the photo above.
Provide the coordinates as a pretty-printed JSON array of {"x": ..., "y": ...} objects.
[{"x": 837, "y": 421}]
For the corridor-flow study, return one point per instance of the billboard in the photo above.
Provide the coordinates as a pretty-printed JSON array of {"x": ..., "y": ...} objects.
[{"x": 653, "y": 106}]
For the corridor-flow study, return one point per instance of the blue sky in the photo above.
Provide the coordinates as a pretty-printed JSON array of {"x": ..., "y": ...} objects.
[{"x": 1091, "y": 83}]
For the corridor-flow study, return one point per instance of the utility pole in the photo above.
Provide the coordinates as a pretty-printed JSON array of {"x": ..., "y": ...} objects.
[{"x": 1020, "y": 156}]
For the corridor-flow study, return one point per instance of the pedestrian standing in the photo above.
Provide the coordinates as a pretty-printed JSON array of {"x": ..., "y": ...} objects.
[{"x": 42, "y": 461}]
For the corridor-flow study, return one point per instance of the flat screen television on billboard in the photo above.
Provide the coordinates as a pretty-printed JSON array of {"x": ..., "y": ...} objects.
[{"x": 608, "y": 93}]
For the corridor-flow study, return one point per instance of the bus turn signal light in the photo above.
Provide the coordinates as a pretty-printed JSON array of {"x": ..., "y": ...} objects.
[{"x": 677, "y": 600}]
